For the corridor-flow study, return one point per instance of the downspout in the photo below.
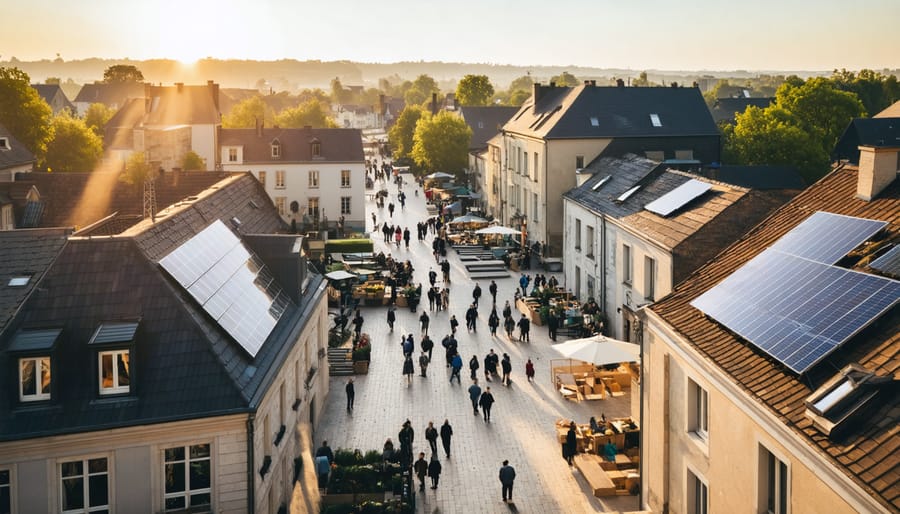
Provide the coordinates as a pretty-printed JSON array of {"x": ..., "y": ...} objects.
[
  {"x": 643, "y": 424},
  {"x": 603, "y": 269},
  {"x": 546, "y": 202},
  {"x": 251, "y": 480}
]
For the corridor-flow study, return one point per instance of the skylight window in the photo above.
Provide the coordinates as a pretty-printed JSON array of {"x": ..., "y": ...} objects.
[
  {"x": 627, "y": 194},
  {"x": 654, "y": 119},
  {"x": 601, "y": 182},
  {"x": 20, "y": 281},
  {"x": 595, "y": 122}
]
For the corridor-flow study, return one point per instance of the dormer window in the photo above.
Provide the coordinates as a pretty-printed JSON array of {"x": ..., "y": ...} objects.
[
  {"x": 276, "y": 149},
  {"x": 315, "y": 148},
  {"x": 114, "y": 356},
  {"x": 845, "y": 398},
  {"x": 4, "y": 143},
  {"x": 33, "y": 349}
]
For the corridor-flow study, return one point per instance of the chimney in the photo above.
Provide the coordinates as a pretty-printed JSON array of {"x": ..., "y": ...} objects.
[
  {"x": 259, "y": 128},
  {"x": 214, "y": 92},
  {"x": 434, "y": 104},
  {"x": 179, "y": 86},
  {"x": 593, "y": 83},
  {"x": 587, "y": 82},
  {"x": 553, "y": 84},
  {"x": 877, "y": 169},
  {"x": 620, "y": 83},
  {"x": 538, "y": 92},
  {"x": 381, "y": 105}
]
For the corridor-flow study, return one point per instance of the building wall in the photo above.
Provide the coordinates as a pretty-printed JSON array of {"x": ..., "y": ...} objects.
[
  {"x": 9, "y": 174},
  {"x": 728, "y": 459},
  {"x": 204, "y": 142}
]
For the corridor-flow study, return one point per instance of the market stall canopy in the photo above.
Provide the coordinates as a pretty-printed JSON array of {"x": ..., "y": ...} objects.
[
  {"x": 499, "y": 230},
  {"x": 599, "y": 350},
  {"x": 468, "y": 218},
  {"x": 339, "y": 275},
  {"x": 438, "y": 175},
  {"x": 453, "y": 207}
]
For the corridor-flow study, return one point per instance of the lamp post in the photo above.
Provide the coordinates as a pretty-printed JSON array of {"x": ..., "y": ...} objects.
[{"x": 524, "y": 230}]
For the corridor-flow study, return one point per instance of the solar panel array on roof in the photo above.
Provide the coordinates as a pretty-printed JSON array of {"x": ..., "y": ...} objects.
[
  {"x": 678, "y": 197},
  {"x": 825, "y": 237},
  {"x": 889, "y": 262},
  {"x": 231, "y": 284},
  {"x": 798, "y": 309}
]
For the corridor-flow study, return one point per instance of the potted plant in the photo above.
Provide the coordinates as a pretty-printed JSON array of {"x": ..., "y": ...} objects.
[{"x": 362, "y": 354}]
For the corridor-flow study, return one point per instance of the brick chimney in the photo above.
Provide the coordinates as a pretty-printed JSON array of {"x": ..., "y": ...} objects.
[
  {"x": 538, "y": 92},
  {"x": 214, "y": 92},
  {"x": 877, "y": 169}
]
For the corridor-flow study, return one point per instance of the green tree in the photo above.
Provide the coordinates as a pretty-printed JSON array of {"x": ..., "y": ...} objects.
[
  {"x": 420, "y": 90},
  {"x": 53, "y": 80},
  {"x": 523, "y": 83},
  {"x": 248, "y": 112},
  {"x": 97, "y": 116},
  {"x": 137, "y": 169},
  {"x": 308, "y": 114},
  {"x": 441, "y": 143},
  {"x": 565, "y": 79},
  {"x": 73, "y": 147},
  {"x": 474, "y": 90},
  {"x": 875, "y": 90},
  {"x": 820, "y": 109},
  {"x": 400, "y": 136},
  {"x": 641, "y": 80},
  {"x": 193, "y": 162},
  {"x": 518, "y": 97},
  {"x": 339, "y": 95},
  {"x": 23, "y": 112},
  {"x": 122, "y": 73}
]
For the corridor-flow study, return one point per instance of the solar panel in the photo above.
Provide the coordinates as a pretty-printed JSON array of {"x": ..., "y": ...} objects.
[
  {"x": 795, "y": 309},
  {"x": 231, "y": 284},
  {"x": 825, "y": 237},
  {"x": 889, "y": 262},
  {"x": 678, "y": 197}
]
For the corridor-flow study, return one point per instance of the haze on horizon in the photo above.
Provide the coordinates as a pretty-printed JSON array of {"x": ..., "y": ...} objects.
[{"x": 643, "y": 34}]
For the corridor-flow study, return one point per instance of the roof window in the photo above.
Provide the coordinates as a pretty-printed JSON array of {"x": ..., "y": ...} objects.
[
  {"x": 841, "y": 400},
  {"x": 595, "y": 122},
  {"x": 654, "y": 119},
  {"x": 19, "y": 281},
  {"x": 4, "y": 143}
]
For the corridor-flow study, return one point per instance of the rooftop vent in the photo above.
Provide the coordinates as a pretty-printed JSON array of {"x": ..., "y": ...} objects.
[{"x": 837, "y": 406}]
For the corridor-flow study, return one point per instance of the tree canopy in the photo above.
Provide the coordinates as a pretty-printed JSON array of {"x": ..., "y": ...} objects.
[
  {"x": 118, "y": 73},
  {"x": 248, "y": 112},
  {"x": 97, "y": 116},
  {"x": 441, "y": 143},
  {"x": 193, "y": 162},
  {"x": 137, "y": 169},
  {"x": 565, "y": 79},
  {"x": 73, "y": 147},
  {"x": 401, "y": 133},
  {"x": 420, "y": 90},
  {"x": 23, "y": 112},
  {"x": 474, "y": 90},
  {"x": 820, "y": 108},
  {"x": 310, "y": 113},
  {"x": 875, "y": 90}
]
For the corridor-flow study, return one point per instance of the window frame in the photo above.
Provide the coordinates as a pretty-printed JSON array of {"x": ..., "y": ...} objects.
[
  {"x": 10, "y": 490},
  {"x": 313, "y": 179},
  {"x": 577, "y": 235},
  {"x": 276, "y": 150},
  {"x": 774, "y": 482},
  {"x": 280, "y": 179},
  {"x": 697, "y": 410},
  {"x": 346, "y": 178},
  {"x": 627, "y": 267},
  {"x": 232, "y": 154},
  {"x": 311, "y": 211},
  {"x": 37, "y": 360},
  {"x": 346, "y": 205},
  {"x": 85, "y": 476},
  {"x": 116, "y": 388},
  {"x": 579, "y": 162},
  {"x": 261, "y": 176},
  {"x": 187, "y": 461},
  {"x": 649, "y": 278},
  {"x": 696, "y": 498},
  {"x": 589, "y": 236},
  {"x": 280, "y": 205}
]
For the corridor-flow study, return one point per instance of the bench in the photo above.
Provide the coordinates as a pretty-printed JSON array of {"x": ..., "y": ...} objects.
[{"x": 597, "y": 479}]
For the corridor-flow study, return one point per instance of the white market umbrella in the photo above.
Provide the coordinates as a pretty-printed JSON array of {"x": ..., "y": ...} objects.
[
  {"x": 439, "y": 175},
  {"x": 499, "y": 230},
  {"x": 468, "y": 218},
  {"x": 599, "y": 350},
  {"x": 339, "y": 275}
]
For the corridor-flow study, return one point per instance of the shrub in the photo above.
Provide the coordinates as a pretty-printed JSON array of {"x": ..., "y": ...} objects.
[
  {"x": 348, "y": 246},
  {"x": 363, "y": 353}
]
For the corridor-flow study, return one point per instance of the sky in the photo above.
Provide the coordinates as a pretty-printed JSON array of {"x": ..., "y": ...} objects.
[{"x": 694, "y": 35}]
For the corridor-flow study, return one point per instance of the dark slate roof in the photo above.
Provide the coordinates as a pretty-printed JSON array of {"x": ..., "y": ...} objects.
[
  {"x": 182, "y": 105},
  {"x": 867, "y": 455},
  {"x": 184, "y": 365},
  {"x": 118, "y": 133},
  {"x": 110, "y": 94},
  {"x": 17, "y": 154},
  {"x": 758, "y": 177},
  {"x": 337, "y": 145},
  {"x": 25, "y": 253},
  {"x": 877, "y": 132},
  {"x": 49, "y": 92},
  {"x": 80, "y": 199},
  {"x": 485, "y": 122},
  {"x": 567, "y": 112},
  {"x": 725, "y": 109}
]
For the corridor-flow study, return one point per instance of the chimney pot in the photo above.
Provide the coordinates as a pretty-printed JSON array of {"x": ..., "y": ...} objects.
[
  {"x": 179, "y": 86},
  {"x": 620, "y": 83}
]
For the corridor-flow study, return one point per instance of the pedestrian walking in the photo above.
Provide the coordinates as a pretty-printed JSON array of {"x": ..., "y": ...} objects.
[
  {"x": 406, "y": 237},
  {"x": 391, "y": 209},
  {"x": 406, "y": 438},
  {"x": 485, "y": 402},
  {"x": 427, "y": 345},
  {"x": 421, "y": 470},
  {"x": 453, "y": 324},
  {"x": 523, "y": 281},
  {"x": 507, "y": 310},
  {"x": 473, "y": 367},
  {"x": 431, "y": 298},
  {"x": 491, "y": 288},
  {"x": 408, "y": 369},
  {"x": 455, "y": 367},
  {"x": 524, "y": 329},
  {"x": 509, "y": 325},
  {"x": 431, "y": 435},
  {"x": 434, "y": 470},
  {"x": 432, "y": 276},
  {"x": 398, "y": 236},
  {"x": 407, "y": 345},
  {"x": 506, "y": 366},
  {"x": 423, "y": 365},
  {"x": 424, "y": 320},
  {"x": 493, "y": 322},
  {"x": 474, "y": 395},
  {"x": 391, "y": 318},
  {"x": 476, "y": 294},
  {"x": 445, "y": 268},
  {"x": 445, "y": 298},
  {"x": 446, "y": 435},
  {"x": 471, "y": 317},
  {"x": 507, "y": 477},
  {"x": 357, "y": 323},
  {"x": 552, "y": 324},
  {"x": 351, "y": 393},
  {"x": 570, "y": 444},
  {"x": 529, "y": 370}
]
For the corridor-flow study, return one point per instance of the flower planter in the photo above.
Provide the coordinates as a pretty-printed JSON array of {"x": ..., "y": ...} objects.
[
  {"x": 361, "y": 367},
  {"x": 347, "y": 498}
]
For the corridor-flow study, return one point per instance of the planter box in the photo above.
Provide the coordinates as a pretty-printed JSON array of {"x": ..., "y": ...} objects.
[
  {"x": 361, "y": 367},
  {"x": 347, "y": 498}
]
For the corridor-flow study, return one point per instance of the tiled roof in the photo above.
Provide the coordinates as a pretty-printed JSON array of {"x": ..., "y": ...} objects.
[
  {"x": 25, "y": 253},
  {"x": 17, "y": 154},
  {"x": 119, "y": 130},
  {"x": 485, "y": 122},
  {"x": 877, "y": 132},
  {"x": 726, "y": 108},
  {"x": 182, "y": 105},
  {"x": 870, "y": 455},
  {"x": 336, "y": 145},
  {"x": 758, "y": 177},
  {"x": 110, "y": 94},
  {"x": 50, "y": 91},
  {"x": 585, "y": 112},
  {"x": 80, "y": 199},
  {"x": 892, "y": 111}
]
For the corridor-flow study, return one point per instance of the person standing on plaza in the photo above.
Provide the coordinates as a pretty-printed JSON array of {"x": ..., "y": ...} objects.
[
  {"x": 406, "y": 237},
  {"x": 506, "y": 366},
  {"x": 431, "y": 435},
  {"x": 434, "y": 470},
  {"x": 529, "y": 370},
  {"x": 351, "y": 393},
  {"x": 552, "y": 324},
  {"x": 453, "y": 323},
  {"x": 427, "y": 345},
  {"x": 446, "y": 435},
  {"x": 571, "y": 444},
  {"x": 445, "y": 269},
  {"x": 493, "y": 290},
  {"x": 406, "y": 437},
  {"x": 474, "y": 395},
  {"x": 524, "y": 329},
  {"x": 509, "y": 325},
  {"x": 391, "y": 318},
  {"x": 398, "y": 235},
  {"x": 476, "y": 294},
  {"x": 423, "y": 365},
  {"x": 445, "y": 298},
  {"x": 507, "y": 310},
  {"x": 471, "y": 317},
  {"x": 523, "y": 283},
  {"x": 431, "y": 298},
  {"x": 424, "y": 320},
  {"x": 493, "y": 322},
  {"x": 432, "y": 276},
  {"x": 473, "y": 367},
  {"x": 507, "y": 477},
  {"x": 421, "y": 469},
  {"x": 455, "y": 367},
  {"x": 407, "y": 345},
  {"x": 357, "y": 323},
  {"x": 391, "y": 209},
  {"x": 408, "y": 369},
  {"x": 486, "y": 401}
]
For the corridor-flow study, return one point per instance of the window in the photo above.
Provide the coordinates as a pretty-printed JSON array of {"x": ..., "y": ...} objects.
[
  {"x": 232, "y": 155},
  {"x": 535, "y": 172},
  {"x": 5, "y": 492},
  {"x": 313, "y": 178},
  {"x": 684, "y": 155},
  {"x": 188, "y": 478},
  {"x": 626, "y": 264},
  {"x": 534, "y": 206},
  {"x": 655, "y": 155},
  {"x": 313, "y": 208},
  {"x": 698, "y": 410},
  {"x": 595, "y": 122},
  {"x": 655, "y": 121},
  {"x": 579, "y": 162},
  {"x": 578, "y": 235},
  {"x": 315, "y": 148},
  {"x": 276, "y": 150},
  {"x": 19, "y": 281},
  {"x": 280, "y": 202},
  {"x": 115, "y": 372},
  {"x": 577, "y": 282},
  {"x": 279, "y": 179},
  {"x": 345, "y": 204},
  {"x": 345, "y": 178},
  {"x": 773, "y": 483},
  {"x": 262, "y": 178},
  {"x": 649, "y": 278},
  {"x": 34, "y": 379},
  {"x": 525, "y": 164},
  {"x": 589, "y": 244},
  {"x": 84, "y": 486},
  {"x": 697, "y": 495},
  {"x": 4, "y": 143}
]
